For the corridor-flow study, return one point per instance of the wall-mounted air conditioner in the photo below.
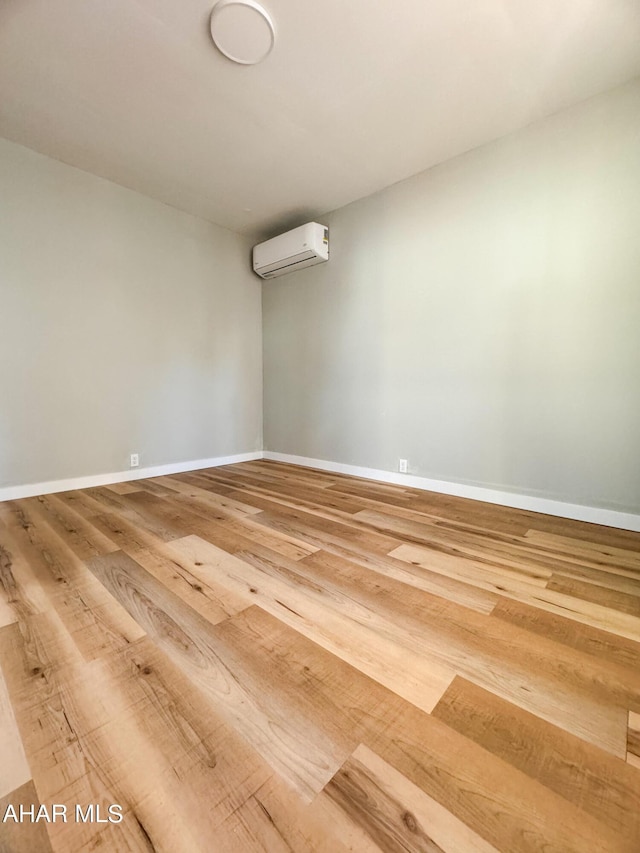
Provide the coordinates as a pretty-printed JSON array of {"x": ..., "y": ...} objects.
[{"x": 302, "y": 247}]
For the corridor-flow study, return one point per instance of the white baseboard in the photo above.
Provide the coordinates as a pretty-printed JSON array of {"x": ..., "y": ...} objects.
[
  {"x": 12, "y": 493},
  {"x": 595, "y": 515}
]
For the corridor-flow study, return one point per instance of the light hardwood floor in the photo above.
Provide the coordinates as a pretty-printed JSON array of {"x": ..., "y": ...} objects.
[{"x": 262, "y": 657}]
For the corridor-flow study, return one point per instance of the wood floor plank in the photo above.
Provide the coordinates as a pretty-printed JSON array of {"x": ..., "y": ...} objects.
[
  {"x": 500, "y": 553},
  {"x": 249, "y": 536},
  {"x": 124, "y": 488},
  {"x": 176, "y": 519},
  {"x": 136, "y": 509},
  {"x": 318, "y": 527},
  {"x": 31, "y": 650},
  {"x": 325, "y": 499},
  {"x": 7, "y": 613},
  {"x": 238, "y": 538},
  {"x": 276, "y": 819},
  {"x": 292, "y": 473},
  {"x": 500, "y": 803},
  {"x": 387, "y": 593},
  {"x": 589, "y": 613},
  {"x": 625, "y": 581},
  {"x": 586, "y": 776},
  {"x": 208, "y": 500},
  {"x": 289, "y": 546},
  {"x": 386, "y": 493},
  {"x": 346, "y": 705},
  {"x": 471, "y": 644},
  {"x": 495, "y": 578},
  {"x": 206, "y": 769},
  {"x": 79, "y": 535},
  {"x": 472, "y": 647},
  {"x": 211, "y": 600},
  {"x": 14, "y": 768},
  {"x": 415, "y": 677},
  {"x": 633, "y": 739},
  {"x": 395, "y": 813},
  {"x": 436, "y": 583},
  {"x": 448, "y": 508},
  {"x": 266, "y": 657},
  {"x": 157, "y": 486},
  {"x": 132, "y": 730},
  {"x": 609, "y": 556},
  {"x": 41, "y": 573},
  {"x": 533, "y": 556},
  {"x": 253, "y": 827},
  {"x": 319, "y": 826},
  {"x": 423, "y": 579},
  {"x": 591, "y": 536},
  {"x": 600, "y": 644},
  {"x": 217, "y": 527},
  {"x": 202, "y": 481},
  {"x": 20, "y": 592},
  {"x": 282, "y": 543},
  {"x": 126, "y": 534},
  {"x": 34, "y": 657},
  {"x": 411, "y": 507},
  {"x": 27, "y": 836},
  {"x": 611, "y": 598},
  {"x": 287, "y": 486},
  {"x": 81, "y": 503},
  {"x": 300, "y": 753},
  {"x": 373, "y": 733}
]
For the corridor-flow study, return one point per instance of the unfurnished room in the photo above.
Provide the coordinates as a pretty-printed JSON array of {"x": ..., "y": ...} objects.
[{"x": 319, "y": 426}]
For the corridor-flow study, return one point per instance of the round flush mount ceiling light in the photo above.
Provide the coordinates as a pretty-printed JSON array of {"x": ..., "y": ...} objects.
[{"x": 242, "y": 30}]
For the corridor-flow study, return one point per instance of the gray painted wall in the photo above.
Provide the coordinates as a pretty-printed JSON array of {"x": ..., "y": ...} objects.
[
  {"x": 481, "y": 319},
  {"x": 126, "y": 326}
]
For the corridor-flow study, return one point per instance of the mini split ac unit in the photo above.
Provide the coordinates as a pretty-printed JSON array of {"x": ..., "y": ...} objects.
[{"x": 302, "y": 247}]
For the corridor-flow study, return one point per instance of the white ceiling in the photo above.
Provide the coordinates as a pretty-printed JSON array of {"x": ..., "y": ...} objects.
[{"x": 355, "y": 96}]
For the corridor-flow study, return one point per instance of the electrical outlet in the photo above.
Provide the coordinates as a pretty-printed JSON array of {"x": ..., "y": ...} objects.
[
  {"x": 403, "y": 466},
  {"x": 134, "y": 460}
]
